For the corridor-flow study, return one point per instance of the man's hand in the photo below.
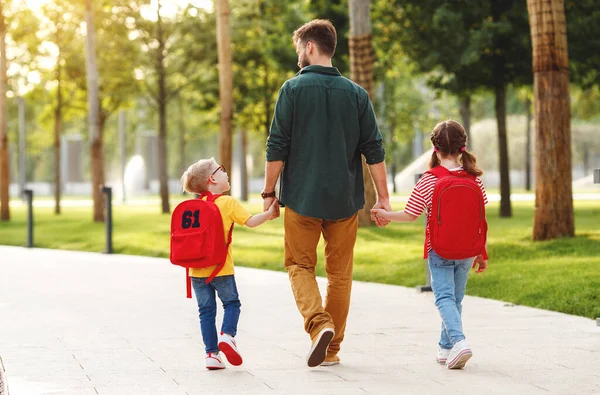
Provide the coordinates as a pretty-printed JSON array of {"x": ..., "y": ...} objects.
[
  {"x": 479, "y": 264},
  {"x": 381, "y": 204},
  {"x": 267, "y": 203}
]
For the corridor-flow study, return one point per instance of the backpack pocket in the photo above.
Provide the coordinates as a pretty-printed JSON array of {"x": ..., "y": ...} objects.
[{"x": 195, "y": 249}]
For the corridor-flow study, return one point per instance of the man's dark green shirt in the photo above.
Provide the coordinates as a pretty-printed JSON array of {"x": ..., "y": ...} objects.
[{"x": 323, "y": 122}]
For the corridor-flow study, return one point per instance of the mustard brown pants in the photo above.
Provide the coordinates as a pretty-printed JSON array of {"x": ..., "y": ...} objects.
[{"x": 302, "y": 236}]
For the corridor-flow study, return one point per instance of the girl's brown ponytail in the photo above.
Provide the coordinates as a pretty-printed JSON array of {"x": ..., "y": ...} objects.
[
  {"x": 469, "y": 163},
  {"x": 434, "y": 161}
]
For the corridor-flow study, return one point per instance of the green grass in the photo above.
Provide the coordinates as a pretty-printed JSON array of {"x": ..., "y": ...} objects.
[{"x": 561, "y": 275}]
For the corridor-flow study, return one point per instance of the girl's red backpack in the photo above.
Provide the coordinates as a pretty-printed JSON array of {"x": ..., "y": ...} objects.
[
  {"x": 457, "y": 226},
  {"x": 197, "y": 236}
]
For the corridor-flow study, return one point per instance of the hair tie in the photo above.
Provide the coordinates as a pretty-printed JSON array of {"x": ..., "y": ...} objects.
[
  {"x": 463, "y": 149},
  {"x": 435, "y": 149}
]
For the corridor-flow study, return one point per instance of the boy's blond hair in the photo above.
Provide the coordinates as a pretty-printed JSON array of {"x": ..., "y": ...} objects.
[{"x": 195, "y": 178}]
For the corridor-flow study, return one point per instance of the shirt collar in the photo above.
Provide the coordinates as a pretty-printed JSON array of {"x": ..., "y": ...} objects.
[{"x": 320, "y": 69}]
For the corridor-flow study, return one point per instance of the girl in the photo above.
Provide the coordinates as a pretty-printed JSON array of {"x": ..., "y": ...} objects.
[{"x": 448, "y": 276}]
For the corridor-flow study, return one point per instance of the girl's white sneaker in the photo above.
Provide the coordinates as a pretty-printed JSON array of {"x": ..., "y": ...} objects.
[
  {"x": 460, "y": 354},
  {"x": 214, "y": 361},
  {"x": 442, "y": 355}
]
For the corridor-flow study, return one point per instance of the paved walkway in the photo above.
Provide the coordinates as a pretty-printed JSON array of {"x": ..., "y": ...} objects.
[{"x": 84, "y": 323}]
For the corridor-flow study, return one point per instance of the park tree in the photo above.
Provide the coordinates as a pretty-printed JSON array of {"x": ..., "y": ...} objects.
[
  {"x": 554, "y": 215},
  {"x": 18, "y": 47},
  {"x": 583, "y": 36},
  {"x": 96, "y": 142},
  {"x": 337, "y": 12},
  {"x": 264, "y": 58},
  {"x": 196, "y": 110},
  {"x": 362, "y": 61},
  {"x": 468, "y": 46},
  {"x": 405, "y": 106},
  {"x": 170, "y": 56},
  {"x": 59, "y": 25},
  {"x": 225, "y": 81},
  {"x": 4, "y": 170}
]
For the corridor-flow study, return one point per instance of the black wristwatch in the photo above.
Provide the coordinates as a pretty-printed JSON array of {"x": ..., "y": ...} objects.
[{"x": 265, "y": 195}]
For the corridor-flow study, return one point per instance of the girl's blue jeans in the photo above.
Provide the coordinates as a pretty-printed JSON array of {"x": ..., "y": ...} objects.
[
  {"x": 449, "y": 282},
  {"x": 226, "y": 289}
]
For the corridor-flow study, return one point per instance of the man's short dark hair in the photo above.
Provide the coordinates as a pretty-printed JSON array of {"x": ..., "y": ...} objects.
[{"x": 321, "y": 32}]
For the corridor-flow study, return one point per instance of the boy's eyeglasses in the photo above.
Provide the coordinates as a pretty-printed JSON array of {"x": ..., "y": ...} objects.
[{"x": 221, "y": 167}]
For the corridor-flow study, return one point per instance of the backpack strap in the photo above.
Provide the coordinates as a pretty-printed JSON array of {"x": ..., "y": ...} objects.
[
  {"x": 188, "y": 280},
  {"x": 210, "y": 197},
  {"x": 439, "y": 171},
  {"x": 188, "y": 283},
  {"x": 222, "y": 264}
]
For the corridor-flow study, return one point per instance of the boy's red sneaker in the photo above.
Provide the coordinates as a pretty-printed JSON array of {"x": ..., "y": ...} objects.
[
  {"x": 214, "y": 361},
  {"x": 229, "y": 348}
]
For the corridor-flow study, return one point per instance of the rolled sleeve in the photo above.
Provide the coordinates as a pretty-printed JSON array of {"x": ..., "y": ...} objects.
[
  {"x": 371, "y": 141},
  {"x": 280, "y": 135}
]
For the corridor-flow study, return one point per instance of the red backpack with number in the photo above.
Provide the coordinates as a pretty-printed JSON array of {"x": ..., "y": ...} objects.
[
  {"x": 197, "y": 236},
  {"x": 457, "y": 226}
]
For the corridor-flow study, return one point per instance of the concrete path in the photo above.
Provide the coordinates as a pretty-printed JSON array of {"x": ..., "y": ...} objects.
[{"x": 84, "y": 323}]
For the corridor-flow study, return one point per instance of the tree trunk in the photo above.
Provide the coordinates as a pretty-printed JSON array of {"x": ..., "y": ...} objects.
[
  {"x": 465, "y": 115},
  {"x": 394, "y": 172},
  {"x": 505, "y": 206},
  {"x": 57, "y": 128},
  {"x": 553, "y": 185},
  {"x": 528, "y": 146},
  {"x": 162, "y": 118},
  {"x": 96, "y": 146},
  {"x": 225, "y": 82},
  {"x": 182, "y": 133},
  {"x": 243, "y": 166},
  {"x": 268, "y": 115},
  {"x": 4, "y": 163},
  {"x": 162, "y": 156},
  {"x": 586, "y": 160},
  {"x": 22, "y": 166},
  {"x": 361, "y": 72},
  {"x": 123, "y": 151}
]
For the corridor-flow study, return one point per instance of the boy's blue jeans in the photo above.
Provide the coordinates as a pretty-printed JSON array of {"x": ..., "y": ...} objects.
[
  {"x": 226, "y": 289},
  {"x": 449, "y": 282}
]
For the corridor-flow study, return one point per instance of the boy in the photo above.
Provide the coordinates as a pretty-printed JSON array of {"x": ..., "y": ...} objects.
[{"x": 208, "y": 176}]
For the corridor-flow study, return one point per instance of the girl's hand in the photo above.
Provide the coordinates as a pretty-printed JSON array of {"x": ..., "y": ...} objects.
[
  {"x": 378, "y": 213},
  {"x": 479, "y": 264}
]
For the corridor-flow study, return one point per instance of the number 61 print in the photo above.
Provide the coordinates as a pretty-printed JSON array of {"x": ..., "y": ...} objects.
[{"x": 186, "y": 220}]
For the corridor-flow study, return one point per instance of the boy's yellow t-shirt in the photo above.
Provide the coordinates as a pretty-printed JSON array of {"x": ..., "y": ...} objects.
[{"x": 231, "y": 211}]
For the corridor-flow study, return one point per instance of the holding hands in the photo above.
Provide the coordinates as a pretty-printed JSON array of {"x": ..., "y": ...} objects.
[
  {"x": 378, "y": 213},
  {"x": 271, "y": 205}
]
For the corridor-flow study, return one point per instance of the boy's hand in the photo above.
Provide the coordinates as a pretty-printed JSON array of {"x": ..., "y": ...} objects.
[
  {"x": 479, "y": 264},
  {"x": 271, "y": 202},
  {"x": 273, "y": 207}
]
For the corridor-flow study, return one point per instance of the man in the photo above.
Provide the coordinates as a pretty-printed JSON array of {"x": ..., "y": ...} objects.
[{"x": 322, "y": 124}]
